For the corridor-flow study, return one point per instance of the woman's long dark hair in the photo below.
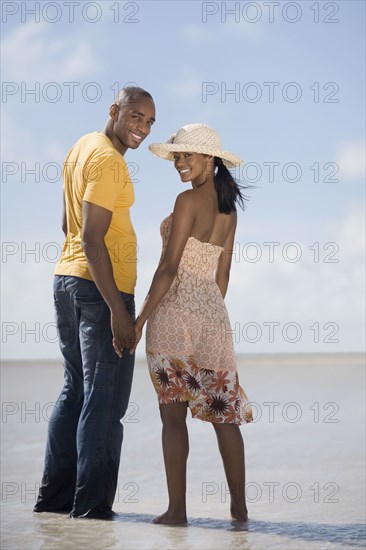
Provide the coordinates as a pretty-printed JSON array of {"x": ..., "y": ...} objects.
[{"x": 229, "y": 192}]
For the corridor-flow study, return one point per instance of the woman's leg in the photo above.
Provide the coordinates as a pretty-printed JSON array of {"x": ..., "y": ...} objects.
[
  {"x": 175, "y": 450},
  {"x": 231, "y": 447}
]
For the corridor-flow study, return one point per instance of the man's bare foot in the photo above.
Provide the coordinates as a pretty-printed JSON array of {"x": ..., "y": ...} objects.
[{"x": 166, "y": 519}]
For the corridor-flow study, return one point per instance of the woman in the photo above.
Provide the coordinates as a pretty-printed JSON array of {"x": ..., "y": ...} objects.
[{"x": 189, "y": 342}]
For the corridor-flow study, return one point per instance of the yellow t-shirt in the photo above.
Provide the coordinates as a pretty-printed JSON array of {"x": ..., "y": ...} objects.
[{"x": 94, "y": 171}]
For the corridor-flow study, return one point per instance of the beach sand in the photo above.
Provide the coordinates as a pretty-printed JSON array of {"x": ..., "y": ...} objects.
[{"x": 304, "y": 460}]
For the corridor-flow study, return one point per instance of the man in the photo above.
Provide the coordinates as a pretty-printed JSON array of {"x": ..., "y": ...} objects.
[{"x": 94, "y": 301}]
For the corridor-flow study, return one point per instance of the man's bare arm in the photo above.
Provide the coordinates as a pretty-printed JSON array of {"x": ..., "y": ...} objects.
[
  {"x": 96, "y": 222},
  {"x": 64, "y": 219}
]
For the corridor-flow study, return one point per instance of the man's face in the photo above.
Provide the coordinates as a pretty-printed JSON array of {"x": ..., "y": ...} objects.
[{"x": 132, "y": 122}]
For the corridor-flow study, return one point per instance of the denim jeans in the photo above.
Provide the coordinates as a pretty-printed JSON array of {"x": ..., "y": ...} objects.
[{"x": 85, "y": 431}]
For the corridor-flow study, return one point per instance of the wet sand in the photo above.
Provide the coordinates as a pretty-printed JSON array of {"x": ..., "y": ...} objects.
[{"x": 304, "y": 454}]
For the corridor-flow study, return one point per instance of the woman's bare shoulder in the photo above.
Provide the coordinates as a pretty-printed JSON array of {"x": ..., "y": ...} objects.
[{"x": 186, "y": 199}]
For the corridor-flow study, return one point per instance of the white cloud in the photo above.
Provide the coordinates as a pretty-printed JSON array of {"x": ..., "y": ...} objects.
[
  {"x": 18, "y": 140},
  {"x": 252, "y": 32},
  {"x": 223, "y": 26},
  {"x": 188, "y": 85},
  {"x": 197, "y": 34},
  {"x": 28, "y": 327},
  {"x": 305, "y": 292},
  {"x": 21, "y": 147},
  {"x": 33, "y": 53},
  {"x": 351, "y": 159}
]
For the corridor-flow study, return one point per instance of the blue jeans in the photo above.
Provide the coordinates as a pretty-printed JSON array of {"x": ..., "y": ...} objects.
[{"x": 85, "y": 431}]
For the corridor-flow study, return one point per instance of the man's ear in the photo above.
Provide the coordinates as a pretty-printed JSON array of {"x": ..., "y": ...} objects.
[{"x": 113, "y": 111}]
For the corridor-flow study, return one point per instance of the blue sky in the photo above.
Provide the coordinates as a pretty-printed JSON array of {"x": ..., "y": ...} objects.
[{"x": 314, "y": 200}]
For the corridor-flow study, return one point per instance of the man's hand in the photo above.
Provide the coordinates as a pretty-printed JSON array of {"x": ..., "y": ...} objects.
[{"x": 123, "y": 330}]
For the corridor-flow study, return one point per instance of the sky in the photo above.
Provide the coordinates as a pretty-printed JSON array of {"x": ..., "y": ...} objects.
[{"x": 282, "y": 83}]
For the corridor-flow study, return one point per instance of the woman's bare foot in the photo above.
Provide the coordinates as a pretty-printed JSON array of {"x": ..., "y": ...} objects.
[
  {"x": 239, "y": 515},
  {"x": 167, "y": 519}
]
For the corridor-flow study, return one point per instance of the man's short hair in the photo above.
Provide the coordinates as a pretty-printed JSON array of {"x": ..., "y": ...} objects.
[{"x": 130, "y": 94}]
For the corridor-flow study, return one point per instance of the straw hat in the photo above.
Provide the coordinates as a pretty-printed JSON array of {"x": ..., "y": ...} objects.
[{"x": 195, "y": 138}]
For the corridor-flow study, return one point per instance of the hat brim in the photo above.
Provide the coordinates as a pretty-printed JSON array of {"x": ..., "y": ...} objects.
[{"x": 166, "y": 151}]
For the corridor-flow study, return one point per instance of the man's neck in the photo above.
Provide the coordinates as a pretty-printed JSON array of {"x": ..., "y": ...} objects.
[{"x": 107, "y": 131}]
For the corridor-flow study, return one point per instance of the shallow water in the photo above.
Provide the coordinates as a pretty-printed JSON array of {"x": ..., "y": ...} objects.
[{"x": 304, "y": 457}]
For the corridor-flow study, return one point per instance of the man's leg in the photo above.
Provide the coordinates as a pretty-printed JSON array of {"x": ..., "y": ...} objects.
[
  {"x": 59, "y": 476},
  {"x": 107, "y": 387}
]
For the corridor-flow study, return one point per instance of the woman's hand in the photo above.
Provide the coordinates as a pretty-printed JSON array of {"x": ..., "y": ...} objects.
[{"x": 138, "y": 334}]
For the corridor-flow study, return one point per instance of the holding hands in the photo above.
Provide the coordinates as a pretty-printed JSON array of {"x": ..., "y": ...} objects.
[
  {"x": 126, "y": 337},
  {"x": 138, "y": 334}
]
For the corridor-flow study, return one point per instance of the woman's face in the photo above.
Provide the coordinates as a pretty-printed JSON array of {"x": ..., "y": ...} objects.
[{"x": 194, "y": 167}]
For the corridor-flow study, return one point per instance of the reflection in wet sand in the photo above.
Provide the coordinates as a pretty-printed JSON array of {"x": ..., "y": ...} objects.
[{"x": 304, "y": 453}]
